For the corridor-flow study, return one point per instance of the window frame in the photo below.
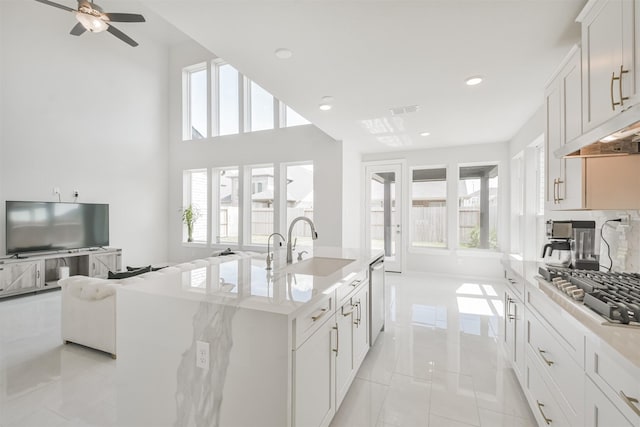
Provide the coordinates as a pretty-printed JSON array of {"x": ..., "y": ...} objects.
[
  {"x": 425, "y": 249},
  {"x": 186, "y": 99},
  {"x": 187, "y": 199},
  {"x": 499, "y": 242}
]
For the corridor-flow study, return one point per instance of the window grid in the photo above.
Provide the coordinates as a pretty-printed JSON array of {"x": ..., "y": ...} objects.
[
  {"x": 244, "y": 107},
  {"x": 195, "y": 196}
]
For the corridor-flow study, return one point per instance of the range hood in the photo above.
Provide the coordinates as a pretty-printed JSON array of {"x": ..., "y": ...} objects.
[{"x": 620, "y": 135}]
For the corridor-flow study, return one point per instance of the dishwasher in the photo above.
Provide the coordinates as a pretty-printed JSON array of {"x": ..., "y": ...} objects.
[{"x": 376, "y": 298}]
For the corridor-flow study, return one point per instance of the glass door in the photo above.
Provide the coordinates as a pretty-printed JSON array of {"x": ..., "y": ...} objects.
[{"x": 384, "y": 213}]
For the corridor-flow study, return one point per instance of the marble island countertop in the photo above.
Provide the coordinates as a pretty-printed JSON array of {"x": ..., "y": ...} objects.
[
  {"x": 245, "y": 282},
  {"x": 622, "y": 338}
]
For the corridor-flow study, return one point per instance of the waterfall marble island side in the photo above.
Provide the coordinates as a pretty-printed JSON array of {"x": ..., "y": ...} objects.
[{"x": 232, "y": 344}]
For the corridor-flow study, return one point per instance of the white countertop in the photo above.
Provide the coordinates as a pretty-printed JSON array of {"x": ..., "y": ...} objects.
[
  {"x": 246, "y": 283},
  {"x": 623, "y": 339}
]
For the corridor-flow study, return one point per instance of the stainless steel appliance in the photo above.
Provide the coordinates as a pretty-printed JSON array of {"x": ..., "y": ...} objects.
[
  {"x": 571, "y": 244},
  {"x": 376, "y": 298},
  {"x": 615, "y": 296}
]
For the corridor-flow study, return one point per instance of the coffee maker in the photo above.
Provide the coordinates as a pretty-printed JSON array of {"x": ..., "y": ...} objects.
[{"x": 571, "y": 245}]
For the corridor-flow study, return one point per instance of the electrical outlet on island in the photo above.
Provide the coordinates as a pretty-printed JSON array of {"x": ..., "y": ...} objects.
[{"x": 202, "y": 355}]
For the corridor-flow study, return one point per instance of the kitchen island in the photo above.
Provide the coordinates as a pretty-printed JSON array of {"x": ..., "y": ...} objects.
[{"x": 233, "y": 344}]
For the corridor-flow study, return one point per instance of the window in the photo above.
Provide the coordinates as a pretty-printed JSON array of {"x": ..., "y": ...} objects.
[
  {"x": 228, "y": 100},
  {"x": 517, "y": 202},
  {"x": 429, "y": 208},
  {"x": 262, "y": 198},
  {"x": 261, "y": 103},
  {"x": 195, "y": 82},
  {"x": 228, "y": 205},
  {"x": 299, "y": 186},
  {"x": 291, "y": 118},
  {"x": 195, "y": 196},
  {"x": 239, "y": 104},
  {"x": 478, "y": 207}
]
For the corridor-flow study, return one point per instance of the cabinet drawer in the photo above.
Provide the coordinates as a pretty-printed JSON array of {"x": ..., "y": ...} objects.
[
  {"x": 311, "y": 319},
  {"x": 350, "y": 285},
  {"x": 516, "y": 282},
  {"x": 616, "y": 378},
  {"x": 600, "y": 411},
  {"x": 562, "y": 323},
  {"x": 561, "y": 369},
  {"x": 544, "y": 405}
]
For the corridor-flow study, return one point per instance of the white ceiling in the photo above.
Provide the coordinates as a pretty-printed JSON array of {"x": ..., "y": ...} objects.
[{"x": 371, "y": 56}]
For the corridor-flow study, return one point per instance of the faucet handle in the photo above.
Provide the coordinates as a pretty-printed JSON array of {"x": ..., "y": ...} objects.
[{"x": 300, "y": 255}]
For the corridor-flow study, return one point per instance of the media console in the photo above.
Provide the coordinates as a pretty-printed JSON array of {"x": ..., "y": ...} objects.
[{"x": 38, "y": 272}]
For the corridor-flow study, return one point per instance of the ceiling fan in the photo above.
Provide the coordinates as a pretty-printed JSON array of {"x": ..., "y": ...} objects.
[{"x": 91, "y": 18}]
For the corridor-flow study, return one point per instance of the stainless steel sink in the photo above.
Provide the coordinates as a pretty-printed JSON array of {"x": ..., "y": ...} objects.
[{"x": 319, "y": 266}]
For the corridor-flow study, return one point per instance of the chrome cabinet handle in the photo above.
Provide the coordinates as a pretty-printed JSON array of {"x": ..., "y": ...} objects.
[
  {"x": 542, "y": 353},
  {"x": 622, "y": 98},
  {"x": 323, "y": 311},
  {"x": 337, "y": 339},
  {"x": 631, "y": 401},
  {"x": 560, "y": 182},
  {"x": 555, "y": 191},
  {"x": 356, "y": 283},
  {"x": 613, "y": 103},
  {"x": 348, "y": 313},
  {"x": 544, "y": 417}
]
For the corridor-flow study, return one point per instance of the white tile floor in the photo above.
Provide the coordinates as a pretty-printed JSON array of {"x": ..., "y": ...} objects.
[{"x": 439, "y": 363}]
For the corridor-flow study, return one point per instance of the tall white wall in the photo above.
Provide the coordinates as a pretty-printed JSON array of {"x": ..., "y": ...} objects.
[
  {"x": 85, "y": 113},
  {"x": 462, "y": 261},
  {"x": 294, "y": 144}
]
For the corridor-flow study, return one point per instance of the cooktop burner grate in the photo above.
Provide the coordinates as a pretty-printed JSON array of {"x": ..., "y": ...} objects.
[{"x": 616, "y": 296}]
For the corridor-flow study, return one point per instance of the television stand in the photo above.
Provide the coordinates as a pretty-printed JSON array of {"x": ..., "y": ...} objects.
[{"x": 38, "y": 272}]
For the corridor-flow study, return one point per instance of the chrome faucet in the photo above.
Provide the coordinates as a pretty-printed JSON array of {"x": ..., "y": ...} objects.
[
  {"x": 269, "y": 254},
  {"x": 314, "y": 235}
]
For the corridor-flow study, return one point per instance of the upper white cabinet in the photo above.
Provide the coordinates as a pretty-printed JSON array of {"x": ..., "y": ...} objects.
[
  {"x": 563, "y": 102},
  {"x": 609, "y": 73}
]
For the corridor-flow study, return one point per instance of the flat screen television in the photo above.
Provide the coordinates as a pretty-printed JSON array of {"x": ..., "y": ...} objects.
[{"x": 51, "y": 226}]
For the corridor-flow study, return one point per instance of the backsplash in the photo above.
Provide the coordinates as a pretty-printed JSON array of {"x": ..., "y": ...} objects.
[{"x": 624, "y": 240}]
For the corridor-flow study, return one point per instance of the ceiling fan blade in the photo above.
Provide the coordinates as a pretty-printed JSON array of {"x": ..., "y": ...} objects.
[
  {"x": 125, "y": 17},
  {"x": 58, "y": 5},
  {"x": 78, "y": 29},
  {"x": 122, "y": 36}
]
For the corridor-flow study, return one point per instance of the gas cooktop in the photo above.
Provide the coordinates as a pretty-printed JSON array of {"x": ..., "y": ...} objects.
[{"x": 615, "y": 296}]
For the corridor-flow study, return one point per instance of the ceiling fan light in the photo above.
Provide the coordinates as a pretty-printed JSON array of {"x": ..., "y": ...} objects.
[{"x": 91, "y": 23}]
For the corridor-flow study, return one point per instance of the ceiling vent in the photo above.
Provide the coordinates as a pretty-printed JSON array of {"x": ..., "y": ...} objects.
[{"x": 404, "y": 110}]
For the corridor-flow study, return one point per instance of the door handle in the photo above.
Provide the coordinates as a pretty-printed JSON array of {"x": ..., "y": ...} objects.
[
  {"x": 631, "y": 401},
  {"x": 544, "y": 417},
  {"x": 337, "y": 340},
  {"x": 559, "y": 182},
  {"x": 613, "y": 103},
  {"x": 542, "y": 353},
  {"x": 622, "y": 98}
]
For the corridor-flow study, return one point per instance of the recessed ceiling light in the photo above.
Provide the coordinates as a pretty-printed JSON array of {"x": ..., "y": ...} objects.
[
  {"x": 424, "y": 134},
  {"x": 325, "y": 107},
  {"x": 472, "y": 81},
  {"x": 283, "y": 53}
]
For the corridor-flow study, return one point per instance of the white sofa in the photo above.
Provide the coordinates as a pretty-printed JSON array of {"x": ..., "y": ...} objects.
[{"x": 89, "y": 306}]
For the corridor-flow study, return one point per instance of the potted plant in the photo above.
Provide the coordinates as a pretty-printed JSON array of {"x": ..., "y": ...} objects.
[{"x": 190, "y": 215}]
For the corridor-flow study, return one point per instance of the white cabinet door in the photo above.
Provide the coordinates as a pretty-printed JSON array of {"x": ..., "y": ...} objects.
[
  {"x": 599, "y": 411},
  {"x": 344, "y": 354},
  {"x": 514, "y": 331},
  {"x": 101, "y": 264},
  {"x": 608, "y": 61},
  {"x": 361, "y": 326},
  {"x": 564, "y": 190},
  {"x": 21, "y": 276},
  {"x": 314, "y": 378}
]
